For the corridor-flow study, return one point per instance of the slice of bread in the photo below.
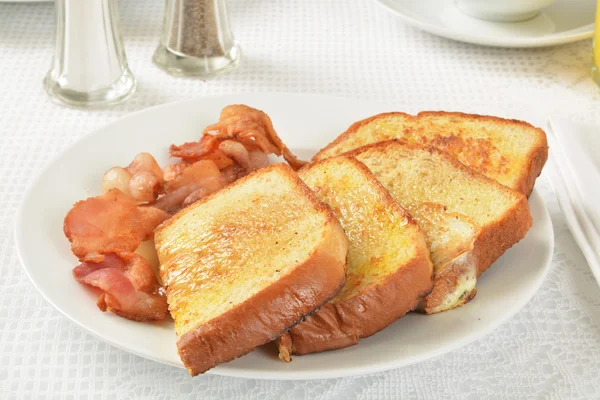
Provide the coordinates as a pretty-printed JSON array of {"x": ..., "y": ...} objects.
[
  {"x": 509, "y": 151},
  {"x": 388, "y": 271},
  {"x": 243, "y": 265},
  {"x": 468, "y": 220}
]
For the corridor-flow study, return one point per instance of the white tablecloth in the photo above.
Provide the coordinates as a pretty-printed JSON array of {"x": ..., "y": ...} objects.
[{"x": 348, "y": 48}]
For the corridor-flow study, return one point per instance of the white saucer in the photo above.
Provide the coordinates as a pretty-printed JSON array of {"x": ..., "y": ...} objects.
[{"x": 564, "y": 22}]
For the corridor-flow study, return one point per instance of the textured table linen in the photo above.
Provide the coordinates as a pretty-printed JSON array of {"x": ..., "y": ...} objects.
[{"x": 349, "y": 48}]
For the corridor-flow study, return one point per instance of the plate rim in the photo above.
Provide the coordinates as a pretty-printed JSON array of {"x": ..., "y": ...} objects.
[
  {"x": 542, "y": 41},
  {"x": 244, "y": 373}
]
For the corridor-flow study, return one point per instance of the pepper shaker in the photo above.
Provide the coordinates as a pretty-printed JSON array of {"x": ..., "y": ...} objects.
[
  {"x": 196, "y": 39},
  {"x": 89, "y": 67}
]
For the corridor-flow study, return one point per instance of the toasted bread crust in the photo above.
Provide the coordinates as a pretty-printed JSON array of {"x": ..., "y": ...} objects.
[
  {"x": 282, "y": 304},
  {"x": 343, "y": 323},
  {"x": 284, "y": 347},
  {"x": 536, "y": 158},
  {"x": 490, "y": 243},
  {"x": 284, "y": 168},
  {"x": 324, "y": 152},
  {"x": 265, "y": 316},
  {"x": 339, "y": 325},
  {"x": 496, "y": 238},
  {"x": 446, "y": 281}
]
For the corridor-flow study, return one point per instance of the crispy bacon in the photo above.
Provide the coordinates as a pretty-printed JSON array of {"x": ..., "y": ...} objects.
[
  {"x": 246, "y": 125},
  {"x": 174, "y": 201},
  {"x": 104, "y": 231},
  {"x": 147, "y": 307},
  {"x": 258, "y": 160},
  {"x": 194, "y": 182},
  {"x": 142, "y": 180},
  {"x": 193, "y": 150},
  {"x": 109, "y": 223},
  {"x": 204, "y": 173},
  {"x": 128, "y": 283},
  {"x": 171, "y": 171},
  {"x": 219, "y": 158},
  {"x": 145, "y": 162},
  {"x": 144, "y": 187},
  {"x": 237, "y": 152},
  {"x": 194, "y": 196}
]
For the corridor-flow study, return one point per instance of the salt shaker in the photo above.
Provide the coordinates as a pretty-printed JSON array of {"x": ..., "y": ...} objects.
[
  {"x": 196, "y": 39},
  {"x": 89, "y": 67}
]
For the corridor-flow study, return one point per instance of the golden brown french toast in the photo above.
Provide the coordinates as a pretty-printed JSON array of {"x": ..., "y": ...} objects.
[
  {"x": 509, "y": 151},
  {"x": 244, "y": 264},
  {"x": 468, "y": 219},
  {"x": 388, "y": 270}
]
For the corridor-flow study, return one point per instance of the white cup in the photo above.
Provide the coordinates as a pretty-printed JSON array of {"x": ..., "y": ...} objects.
[{"x": 503, "y": 10}]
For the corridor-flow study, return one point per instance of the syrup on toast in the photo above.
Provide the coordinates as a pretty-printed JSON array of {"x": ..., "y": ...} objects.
[
  {"x": 388, "y": 270},
  {"x": 509, "y": 151},
  {"x": 244, "y": 264},
  {"x": 468, "y": 219}
]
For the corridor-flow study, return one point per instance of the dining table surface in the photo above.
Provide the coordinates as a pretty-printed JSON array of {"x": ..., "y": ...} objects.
[{"x": 345, "y": 48}]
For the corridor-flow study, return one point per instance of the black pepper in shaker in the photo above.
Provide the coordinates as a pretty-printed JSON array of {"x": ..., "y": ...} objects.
[{"x": 196, "y": 39}]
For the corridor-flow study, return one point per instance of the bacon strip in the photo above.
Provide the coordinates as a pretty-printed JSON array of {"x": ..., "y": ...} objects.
[
  {"x": 248, "y": 122},
  {"x": 104, "y": 231},
  {"x": 201, "y": 179},
  {"x": 111, "y": 281},
  {"x": 128, "y": 284},
  {"x": 237, "y": 152},
  {"x": 111, "y": 223},
  {"x": 147, "y": 307},
  {"x": 194, "y": 150},
  {"x": 246, "y": 125},
  {"x": 203, "y": 173}
]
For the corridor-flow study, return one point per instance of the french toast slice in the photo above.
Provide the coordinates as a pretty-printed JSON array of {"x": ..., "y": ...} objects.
[
  {"x": 244, "y": 264},
  {"x": 509, "y": 151},
  {"x": 388, "y": 269},
  {"x": 469, "y": 220}
]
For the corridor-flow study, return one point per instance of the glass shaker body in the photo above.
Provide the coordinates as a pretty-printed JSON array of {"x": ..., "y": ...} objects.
[
  {"x": 196, "y": 39},
  {"x": 89, "y": 67}
]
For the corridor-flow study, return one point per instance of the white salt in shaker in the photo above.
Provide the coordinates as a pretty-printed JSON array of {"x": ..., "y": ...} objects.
[
  {"x": 89, "y": 66},
  {"x": 196, "y": 39}
]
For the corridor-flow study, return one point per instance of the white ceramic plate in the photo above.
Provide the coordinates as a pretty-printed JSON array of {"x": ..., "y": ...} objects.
[
  {"x": 306, "y": 123},
  {"x": 563, "y": 22}
]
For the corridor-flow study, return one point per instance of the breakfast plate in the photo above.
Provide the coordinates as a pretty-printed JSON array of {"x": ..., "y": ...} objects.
[
  {"x": 564, "y": 21},
  {"x": 305, "y": 123}
]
